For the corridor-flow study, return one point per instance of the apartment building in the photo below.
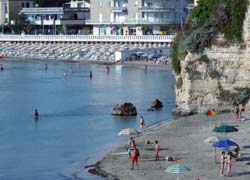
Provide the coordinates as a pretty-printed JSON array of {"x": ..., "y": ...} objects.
[
  {"x": 136, "y": 17},
  {"x": 69, "y": 19},
  {"x": 3, "y": 5},
  {"x": 9, "y": 10}
]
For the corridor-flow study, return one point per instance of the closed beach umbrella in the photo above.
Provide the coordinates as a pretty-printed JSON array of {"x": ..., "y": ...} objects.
[
  {"x": 127, "y": 132},
  {"x": 225, "y": 128},
  {"x": 177, "y": 169},
  {"x": 225, "y": 144},
  {"x": 212, "y": 139}
]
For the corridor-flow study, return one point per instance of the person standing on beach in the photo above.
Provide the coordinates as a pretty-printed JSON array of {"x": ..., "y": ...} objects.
[
  {"x": 237, "y": 112},
  {"x": 135, "y": 154},
  {"x": 142, "y": 123},
  {"x": 131, "y": 145},
  {"x": 157, "y": 149},
  {"x": 229, "y": 163},
  {"x": 222, "y": 163}
]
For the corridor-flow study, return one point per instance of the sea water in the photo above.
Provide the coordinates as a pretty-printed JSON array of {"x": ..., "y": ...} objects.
[{"x": 75, "y": 126}]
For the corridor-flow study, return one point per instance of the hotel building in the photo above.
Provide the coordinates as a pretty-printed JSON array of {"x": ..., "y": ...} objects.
[{"x": 137, "y": 17}]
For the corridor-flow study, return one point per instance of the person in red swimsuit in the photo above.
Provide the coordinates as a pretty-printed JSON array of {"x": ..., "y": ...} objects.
[{"x": 135, "y": 154}]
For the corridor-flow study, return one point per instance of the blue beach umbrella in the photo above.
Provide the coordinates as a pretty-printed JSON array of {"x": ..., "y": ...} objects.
[
  {"x": 225, "y": 144},
  {"x": 177, "y": 169}
]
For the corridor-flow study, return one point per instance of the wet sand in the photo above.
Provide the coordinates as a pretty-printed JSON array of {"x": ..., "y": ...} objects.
[{"x": 182, "y": 138}]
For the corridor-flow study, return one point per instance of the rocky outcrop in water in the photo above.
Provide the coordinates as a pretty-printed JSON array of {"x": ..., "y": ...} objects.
[
  {"x": 125, "y": 109},
  {"x": 155, "y": 105}
]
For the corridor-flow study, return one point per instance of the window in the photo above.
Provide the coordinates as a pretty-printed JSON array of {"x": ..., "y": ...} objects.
[
  {"x": 27, "y": 4},
  {"x": 100, "y": 17},
  {"x": 22, "y": 4},
  {"x": 100, "y": 3},
  {"x": 136, "y": 3}
]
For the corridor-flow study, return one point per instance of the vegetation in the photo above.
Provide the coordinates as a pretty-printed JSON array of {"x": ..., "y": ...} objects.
[
  {"x": 240, "y": 95},
  {"x": 208, "y": 19},
  {"x": 179, "y": 83}
]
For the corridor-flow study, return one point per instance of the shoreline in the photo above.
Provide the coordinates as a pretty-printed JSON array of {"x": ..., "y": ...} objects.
[
  {"x": 102, "y": 62},
  {"x": 183, "y": 139}
]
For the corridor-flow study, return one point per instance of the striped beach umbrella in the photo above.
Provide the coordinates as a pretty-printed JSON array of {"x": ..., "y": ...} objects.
[{"x": 177, "y": 169}]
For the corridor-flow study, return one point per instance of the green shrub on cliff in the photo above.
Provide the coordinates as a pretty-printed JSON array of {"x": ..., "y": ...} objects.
[
  {"x": 175, "y": 60},
  {"x": 208, "y": 19}
]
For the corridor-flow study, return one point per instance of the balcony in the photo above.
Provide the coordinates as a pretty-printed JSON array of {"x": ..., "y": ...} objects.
[
  {"x": 119, "y": 9},
  {"x": 190, "y": 6},
  {"x": 133, "y": 21},
  {"x": 155, "y": 9}
]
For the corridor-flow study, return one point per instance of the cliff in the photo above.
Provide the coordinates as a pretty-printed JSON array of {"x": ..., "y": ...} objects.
[{"x": 216, "y": 77}]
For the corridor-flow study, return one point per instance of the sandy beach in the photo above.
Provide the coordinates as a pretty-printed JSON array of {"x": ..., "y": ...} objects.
[{"x": 183, "y": 138}]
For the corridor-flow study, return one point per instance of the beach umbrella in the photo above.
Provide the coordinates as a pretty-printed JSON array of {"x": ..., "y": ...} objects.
[
  {"x": 212, "y": 139},
  {"x": 225, "y": 144},
  {"x": 127, "y": 132},
  {"x": 177, "y": 169},
  {"x": 225, "y": 128}
]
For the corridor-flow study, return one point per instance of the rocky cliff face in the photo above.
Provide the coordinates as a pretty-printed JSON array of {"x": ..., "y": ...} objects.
[{"x": 216, "y": 78}]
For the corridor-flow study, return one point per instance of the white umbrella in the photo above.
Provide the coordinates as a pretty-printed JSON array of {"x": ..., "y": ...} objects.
[{"x": 127, "y": 132}]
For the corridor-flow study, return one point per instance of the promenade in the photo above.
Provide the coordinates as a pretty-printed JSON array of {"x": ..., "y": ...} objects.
[{"x": 77, "y": 47}]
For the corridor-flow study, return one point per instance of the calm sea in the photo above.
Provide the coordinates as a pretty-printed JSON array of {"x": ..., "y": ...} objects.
[{"x": 75, "y": 126}]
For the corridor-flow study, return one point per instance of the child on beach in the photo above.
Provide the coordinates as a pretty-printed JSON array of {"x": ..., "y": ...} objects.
[
  {"x": 157, "y": 149},
  {"x": 135, "y": 154},
  {"x": 222, "y": 163}
]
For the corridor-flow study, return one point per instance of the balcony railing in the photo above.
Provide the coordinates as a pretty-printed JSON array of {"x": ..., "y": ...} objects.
[
  {"x": 139, "y": 21},
  {"x": 87, "y": 38},
  {"x": 119, "y": 9},
  {"x": 155, "y": 9}
]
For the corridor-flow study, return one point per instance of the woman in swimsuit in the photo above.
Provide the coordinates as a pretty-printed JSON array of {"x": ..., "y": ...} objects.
[
  {"x": 229, "y": 163},
  {"x": 222, "y": 163}
]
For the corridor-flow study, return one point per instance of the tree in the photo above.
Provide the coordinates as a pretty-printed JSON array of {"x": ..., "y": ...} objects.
[{"x": 21, "y": 23}]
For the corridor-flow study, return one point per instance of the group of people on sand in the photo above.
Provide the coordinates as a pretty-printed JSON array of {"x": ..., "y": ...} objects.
[
  {"x": 226, "y": 161},
  {"x": 133, "y": 151}
]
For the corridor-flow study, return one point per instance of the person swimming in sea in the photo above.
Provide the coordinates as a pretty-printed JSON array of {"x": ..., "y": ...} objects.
[
  {"x": 1, "y": 68},
  {"x": 46, "y": 67},
  {"x": 36, "y": 114},
  {"x": 107, "y": 69},
  {"x": 90, "y": 74}
]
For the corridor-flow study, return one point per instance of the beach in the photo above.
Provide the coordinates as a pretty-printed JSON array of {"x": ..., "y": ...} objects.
[{"x": 182, "y": 138}]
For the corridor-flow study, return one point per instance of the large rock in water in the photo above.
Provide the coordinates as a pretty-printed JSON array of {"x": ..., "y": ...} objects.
[
  {"x": 126, "y": 109},
  {"x": 155, "y": 105}
]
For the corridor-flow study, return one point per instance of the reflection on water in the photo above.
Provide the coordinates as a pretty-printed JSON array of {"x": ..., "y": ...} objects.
[{"x": 75, "y": 125}]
